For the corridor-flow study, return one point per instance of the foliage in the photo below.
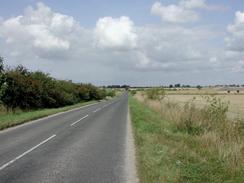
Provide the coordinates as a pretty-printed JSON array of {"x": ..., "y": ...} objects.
[
  {"x": 110, "y": 93},
  {"x": 133, "y": 92},
  {"x": 155, "y": 93},
  {"x": 90, "y": 92},
  {"x": 21, "y": 88},
  {"x": 2, "y": 78},
  {"x": 12, "y": 119},
  {"x": 183, "y": 144},
  {"x": 199, "y": 87},
  {"x": 216, "y": 109}
]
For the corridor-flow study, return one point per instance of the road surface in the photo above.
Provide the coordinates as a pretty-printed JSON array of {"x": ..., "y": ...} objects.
[{"x": 83, "y": 145}]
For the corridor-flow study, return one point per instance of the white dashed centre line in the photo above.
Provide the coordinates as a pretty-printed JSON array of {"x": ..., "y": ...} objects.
[
  {"x": 26, "y": 152},
  {"x": 97, "y": 110},
  {"x": 79, "y": 120}
]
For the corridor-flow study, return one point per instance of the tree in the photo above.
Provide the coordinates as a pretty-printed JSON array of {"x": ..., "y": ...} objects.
[
  {"x": 22, "y": 90},
  {"x": 1, "y": 65},
  {"x": 199, "y": 87},
  {"x": 110, "y": 93},
  {"x": 133, "y": 92},
  {"x": 2, "y": 78},
  {"x": 156, "y": 94},
  {"x": 177, "y": 85}
]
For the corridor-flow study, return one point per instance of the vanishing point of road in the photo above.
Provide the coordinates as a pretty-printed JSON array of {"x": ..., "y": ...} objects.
[{"x": 88, "y": 144}]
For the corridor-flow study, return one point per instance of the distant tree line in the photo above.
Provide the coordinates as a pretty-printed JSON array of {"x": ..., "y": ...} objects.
[
  {"x": 118, "y": 86},
  {"x": 24, "y": 89}
]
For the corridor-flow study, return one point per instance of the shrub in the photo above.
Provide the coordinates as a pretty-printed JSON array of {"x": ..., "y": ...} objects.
[
  {"x": 2, "y": 78},
  {"x": 90, "y": 92},
  {"x": 110, "y": 93},
  {"x": 212, "y": 135},
  {"x": 199, "y": 87},
  {"x": 155, "y": 93},
  {"x": 133, "y": 92},
  {"x": 21, "y": 88}
]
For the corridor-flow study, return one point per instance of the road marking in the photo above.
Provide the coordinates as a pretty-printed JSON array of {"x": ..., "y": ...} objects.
[
  {"x": 79, "y": 120},
  {"x": 26, "y": 152},
  {"x": 109, "y": 104},
  {"x": 47, "y": 117},
  {"x": 98, "y": 109}
]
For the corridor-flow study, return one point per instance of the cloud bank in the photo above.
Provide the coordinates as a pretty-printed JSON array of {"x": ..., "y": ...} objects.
[{"x": 116, "y": 50}]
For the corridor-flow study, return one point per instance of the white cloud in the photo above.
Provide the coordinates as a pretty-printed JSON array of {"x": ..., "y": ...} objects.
[
  {"x": 173, "y": 13},
  {"x": 118, "y": 33},
  {"x": 183, "y": 12},
  {"x": 40, "y": 29},
  {"x": 237, "y": 28},
  {"x": 118, "y": 42},
  {"x": 117, "y": 48},
  {"x": 239, "y": 67},
  {"x": 235, "y": 41},
  {"x": 192, "y": 4}
]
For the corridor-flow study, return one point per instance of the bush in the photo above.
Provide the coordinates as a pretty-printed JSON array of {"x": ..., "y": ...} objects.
[
  {"x": 210, "y": 144},
  {"x": 2, "y": 78},
  {"x": 133, "y": 92},
  {"x": 90, "y": 92},
  {"x": 110, "y": 93},
  {"x": 155, "y": 93},
  {"x": 20, "y": 88}
]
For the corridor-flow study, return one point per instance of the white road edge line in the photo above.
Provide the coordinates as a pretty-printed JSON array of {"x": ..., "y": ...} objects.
[
  {"x": 79, "y": 120},
  {"x": 26, "y": 152},
  {"x": 97, "y": 110}
]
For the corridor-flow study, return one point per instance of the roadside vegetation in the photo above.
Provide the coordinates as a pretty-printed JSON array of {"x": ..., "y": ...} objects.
[
  {"x": 178, "y": 143},
  {"x": 12, "y": 119},
  {"x": 27, "y": 95}
]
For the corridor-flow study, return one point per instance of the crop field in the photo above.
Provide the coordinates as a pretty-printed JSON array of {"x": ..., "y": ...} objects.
[
  {"x": 207, "y": 90},
  {"x": 181, "y": 97},
  {"x": 236, "y": 102},
  {"x": 200, "y": 139}
]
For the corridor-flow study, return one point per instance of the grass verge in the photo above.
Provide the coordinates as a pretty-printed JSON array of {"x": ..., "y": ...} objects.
[
  {"x": 165, "y": 153},
  {"x": 12, "y": 119}
]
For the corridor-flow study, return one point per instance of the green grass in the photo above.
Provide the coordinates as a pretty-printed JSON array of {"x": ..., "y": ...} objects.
[
  {"x": 166, "y": 154},
  {"x": 12, "y": 119}
]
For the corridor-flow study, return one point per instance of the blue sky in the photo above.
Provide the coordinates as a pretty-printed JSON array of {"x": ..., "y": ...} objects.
[
  {"x": 134, "y": 42},
  {"x": 138, "y": 10},
  {"x": 87, "y": 12}
]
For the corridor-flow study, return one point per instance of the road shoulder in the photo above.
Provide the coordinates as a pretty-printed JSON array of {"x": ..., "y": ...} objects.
[{"x": 130, "y": 159}]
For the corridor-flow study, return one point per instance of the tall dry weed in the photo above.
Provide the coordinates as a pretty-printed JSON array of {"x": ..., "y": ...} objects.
[{"x": 209, "y": 126}]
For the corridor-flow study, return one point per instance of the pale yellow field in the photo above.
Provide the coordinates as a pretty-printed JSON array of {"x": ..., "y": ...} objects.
[
  {"x": 207, "y": 90},
  {"x": 236, "y": 101}
]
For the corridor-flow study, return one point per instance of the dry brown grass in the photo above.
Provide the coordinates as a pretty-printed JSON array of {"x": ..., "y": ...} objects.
[
  {"x": 236, "y": 102},
  {"x": 215, "y": 134},
  {"x": 206, "y": 90}
]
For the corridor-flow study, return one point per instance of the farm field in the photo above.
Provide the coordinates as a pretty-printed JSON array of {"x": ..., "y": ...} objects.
[
  {"x": 236, "y": 102},
  {"x": 185, "y": 144},
  {"x": 181, "y": 97}
]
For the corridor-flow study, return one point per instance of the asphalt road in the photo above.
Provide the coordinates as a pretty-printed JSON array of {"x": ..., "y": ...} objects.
[{"x": 83, "y": 145}]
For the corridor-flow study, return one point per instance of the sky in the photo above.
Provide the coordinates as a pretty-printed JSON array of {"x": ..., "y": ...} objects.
[{"x": 139, "y": 42}]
